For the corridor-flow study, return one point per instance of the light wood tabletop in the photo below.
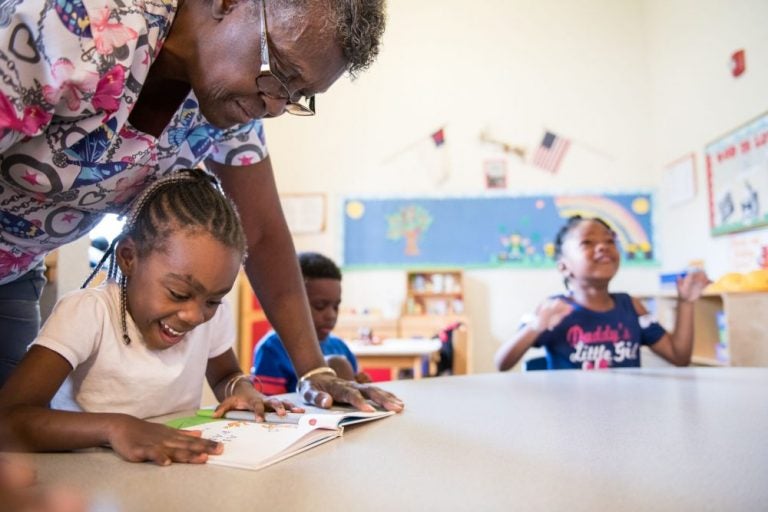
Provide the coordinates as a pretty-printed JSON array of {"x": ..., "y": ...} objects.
[{"x": 645, "y": 439}]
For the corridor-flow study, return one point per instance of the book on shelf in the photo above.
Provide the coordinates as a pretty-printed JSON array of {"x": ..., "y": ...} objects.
[{"x": 252, "y": 445}]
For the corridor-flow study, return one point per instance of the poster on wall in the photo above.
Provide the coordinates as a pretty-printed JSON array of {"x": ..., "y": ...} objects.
[
  {"x": 486, "y": 232},
  {"x": 304, "y": 213},
  {"x": 680, "y": 180},
  {"x": 737, "y": 176}
]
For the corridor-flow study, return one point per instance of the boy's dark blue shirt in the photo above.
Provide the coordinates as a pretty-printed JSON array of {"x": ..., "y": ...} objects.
[{"x": 274, "y": 368}]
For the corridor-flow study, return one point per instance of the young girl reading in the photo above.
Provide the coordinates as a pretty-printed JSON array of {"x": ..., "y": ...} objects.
[
  {"x": 110, "y": 355},
  {"x": 591, "y": 328}
]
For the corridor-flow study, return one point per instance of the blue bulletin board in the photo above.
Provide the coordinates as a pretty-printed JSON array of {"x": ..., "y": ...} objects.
[{"x": 497, "y": 231}]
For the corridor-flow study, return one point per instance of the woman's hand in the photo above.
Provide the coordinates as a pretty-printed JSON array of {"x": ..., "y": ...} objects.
[
  {"x": 137, "y": 440},
  {"x": 362, "y": 378},
  {"x": 248, "y": 399},
  {"x": 322, "y": 390}
]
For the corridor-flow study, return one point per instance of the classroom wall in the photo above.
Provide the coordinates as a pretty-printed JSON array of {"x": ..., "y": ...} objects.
[
  {"x": 695, "y": 100},
  {"x": 636, "y": 84},
  {"x": 513, "y": 68}
]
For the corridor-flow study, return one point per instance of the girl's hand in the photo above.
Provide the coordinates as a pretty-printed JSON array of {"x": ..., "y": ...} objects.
[
  {"x": 249, "y": 399},
  {"x": 551, "y": 313},
  {"x": 137, "y": 440},
  {"x": 690, "y": 287},
  {"x": 322, "y": 390}
]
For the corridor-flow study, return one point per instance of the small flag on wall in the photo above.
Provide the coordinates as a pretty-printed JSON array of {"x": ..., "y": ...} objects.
[
  {"x": 550, "y": 152},
  {"x": 438, "y": 137}
]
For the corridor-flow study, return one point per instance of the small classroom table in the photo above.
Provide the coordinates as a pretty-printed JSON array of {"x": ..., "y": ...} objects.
[
  {"x": 396, "y": 354},
  {"x": 661, "y": 439}
]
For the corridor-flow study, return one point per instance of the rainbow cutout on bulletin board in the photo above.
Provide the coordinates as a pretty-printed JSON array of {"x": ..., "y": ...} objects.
[{"x": 633, "y": 238}]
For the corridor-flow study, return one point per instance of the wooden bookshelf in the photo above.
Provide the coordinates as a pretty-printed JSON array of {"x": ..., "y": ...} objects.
[
  {"x": 741, "y": 339},
  {"x": 434, "y": 292}
]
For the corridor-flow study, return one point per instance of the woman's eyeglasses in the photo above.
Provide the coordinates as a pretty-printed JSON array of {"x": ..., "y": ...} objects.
[{"x": 272, "y": 86}]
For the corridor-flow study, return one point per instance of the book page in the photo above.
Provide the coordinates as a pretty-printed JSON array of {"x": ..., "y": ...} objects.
[
  {"x": 315, "y": 416},
  {"x": 251, "y": 445}
]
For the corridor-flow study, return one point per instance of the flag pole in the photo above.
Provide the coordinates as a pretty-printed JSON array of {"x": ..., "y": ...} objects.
[
  {"x": 408, "y": 147},
  {"x": 518, "y": 151}
]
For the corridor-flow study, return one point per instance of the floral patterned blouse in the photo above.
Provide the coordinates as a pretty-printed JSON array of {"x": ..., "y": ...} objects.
[{"x": 70, "y": 71}]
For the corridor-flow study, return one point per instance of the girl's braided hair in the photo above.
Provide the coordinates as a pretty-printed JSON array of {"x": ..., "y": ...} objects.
[
  {"x": 571, "y": 223},
  {"x": 189, "y": 200}
]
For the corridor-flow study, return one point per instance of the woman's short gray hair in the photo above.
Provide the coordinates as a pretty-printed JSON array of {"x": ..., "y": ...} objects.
[
  {"x": 357, "y": 24},
  {"x": 359, "y": 27}
]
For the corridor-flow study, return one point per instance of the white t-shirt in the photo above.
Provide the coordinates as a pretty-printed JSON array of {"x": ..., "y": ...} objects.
[{"x": 110, "y": 376}]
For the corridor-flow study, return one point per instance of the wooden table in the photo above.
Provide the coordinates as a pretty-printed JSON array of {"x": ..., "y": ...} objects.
[
  {"x": 396, "y": 354},
  {"x": 649, "y": 439}
]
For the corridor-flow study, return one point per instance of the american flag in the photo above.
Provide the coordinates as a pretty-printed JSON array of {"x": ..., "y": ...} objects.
[{"x": 550, "y": 152}]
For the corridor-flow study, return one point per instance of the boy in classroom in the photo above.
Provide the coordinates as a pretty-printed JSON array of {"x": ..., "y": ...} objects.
[
  {"x": 111, "y": 355},
  {"x": 272, "y": 367},
  {"x": 590, "y": 327}
]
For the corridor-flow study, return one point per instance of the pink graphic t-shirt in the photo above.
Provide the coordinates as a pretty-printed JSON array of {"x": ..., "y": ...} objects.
[{"x": 70, "y": 72}]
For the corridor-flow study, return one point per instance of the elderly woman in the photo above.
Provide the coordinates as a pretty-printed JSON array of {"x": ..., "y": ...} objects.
[{"x": 100, "y": 98}]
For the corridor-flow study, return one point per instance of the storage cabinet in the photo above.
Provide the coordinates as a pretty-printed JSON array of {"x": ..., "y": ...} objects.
[
  {"x": 434, "y": 292},
  {"x": 729, "y": 328},
  {"x": 434, "y": 300}
]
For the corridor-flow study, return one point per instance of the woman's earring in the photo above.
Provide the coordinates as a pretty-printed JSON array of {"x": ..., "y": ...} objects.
[{"x": 123, "y": 308}]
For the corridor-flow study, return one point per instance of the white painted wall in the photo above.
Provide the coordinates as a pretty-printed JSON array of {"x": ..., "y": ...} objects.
[
  {"x": 696, "y": 100},
  {"x": 513, "y": 67}
]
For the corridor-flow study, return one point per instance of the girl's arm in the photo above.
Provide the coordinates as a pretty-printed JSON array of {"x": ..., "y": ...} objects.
[
  {"x": 677, "y": 347},
  {"x": 513, "y": 349},
  {"x": 548, "y": 316},
  {"x": 234, "y": 389},
  {"x": 27, "y": 423}
]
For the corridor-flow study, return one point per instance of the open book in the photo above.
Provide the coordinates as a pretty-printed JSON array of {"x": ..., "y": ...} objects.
[{"x": 251, "y": 445}]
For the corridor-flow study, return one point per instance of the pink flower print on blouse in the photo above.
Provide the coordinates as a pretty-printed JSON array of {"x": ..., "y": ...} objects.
[
  {"x": 68, "y": 87},
  {"x": 109, "y": 36},
  {"x": 10, "y": 262},
  {"x": 129, "y": 187},
  {"x": 108, "y": 91},
  {"x": 30, "y": 122}
]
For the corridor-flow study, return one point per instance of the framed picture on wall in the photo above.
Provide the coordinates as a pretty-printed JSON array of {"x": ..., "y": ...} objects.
[
  {"x": 737, "y": 178},
  {"x": 495, "y": 173},
  {"x": 680, "y": 180},
  {"x": 305, "y": 213}
]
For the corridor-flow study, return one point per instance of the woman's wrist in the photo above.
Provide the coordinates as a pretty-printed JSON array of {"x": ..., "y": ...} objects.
[{"x": 320, "y": 370}]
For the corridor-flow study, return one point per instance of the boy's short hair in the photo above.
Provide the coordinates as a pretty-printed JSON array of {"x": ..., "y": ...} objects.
[{"x": 316, "y": 266}]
